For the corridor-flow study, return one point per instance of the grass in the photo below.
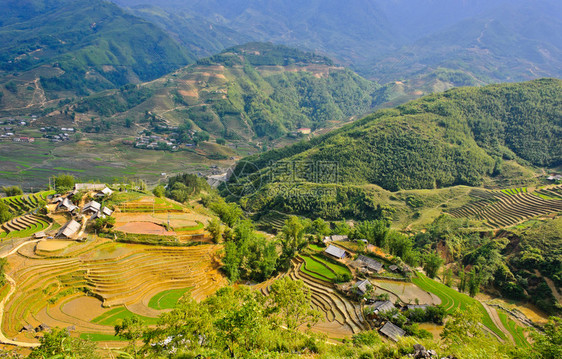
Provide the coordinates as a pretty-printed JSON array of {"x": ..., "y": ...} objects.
[
  {"x": 115, "y": 315},
  {"x": 316, "y": 247},
  {"x": 451, "y": 299},
  {"x": 516, "y": 331},
  {"x": 312, "y": 267},
  {"x": 167, "y": 299},
  {"x": 197, "y": 227},
  {"x": 99, "y": 337},
  {"x": 338, "y": 268}
]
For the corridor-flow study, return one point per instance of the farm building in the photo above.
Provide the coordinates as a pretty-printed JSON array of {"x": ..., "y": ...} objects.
[
  {"x": 335, "y": 252},
  {"x": 362, "y": 287},
  {"x": 105, "y": 212},
  {"x": 335, "y": 238},
  {"x": 393, "y": 268},
  {"x": 417, "y": 306},
  {"x": 39, "y": 235},
  {"x": 66, "y": 205},
  {"x": 392, "y": 331},
  {"x": 92, "y": 207},
  {"x": 69, "y": 229},
  {"x": 89, "y": 186},
  {"x": 369, "y": 263},
  {"x": 381, "y": 307},
  {"x": 106, "y": 192}
]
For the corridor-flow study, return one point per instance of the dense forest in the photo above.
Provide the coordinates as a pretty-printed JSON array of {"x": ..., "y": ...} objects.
[{"x": 455, "y": 138}]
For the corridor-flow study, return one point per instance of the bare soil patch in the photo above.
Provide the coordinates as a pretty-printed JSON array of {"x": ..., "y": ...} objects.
[
  {"x": 145, "y": 228},
  {"x": 52, "y": 246},
  {"x": 407, "y": 292},
  {"x": 85, "y": 308}
]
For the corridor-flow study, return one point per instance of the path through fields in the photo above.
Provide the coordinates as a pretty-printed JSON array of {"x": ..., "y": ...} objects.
[{"x": 496, "y": 319}]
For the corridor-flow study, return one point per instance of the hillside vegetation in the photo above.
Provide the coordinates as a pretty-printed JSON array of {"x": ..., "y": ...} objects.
[
  {"x": 82, "y": 46},
  {"x": 460, "y": 137},
  {"x": 254, "y": 90}
]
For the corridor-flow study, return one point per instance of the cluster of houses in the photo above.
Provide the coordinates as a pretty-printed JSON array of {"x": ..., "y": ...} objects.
[
  {"x": 8, "y": 132},
  {"x": 156, "y": 142},
  {"x": 554, "y": 178},
  {"x": 363, "y": 289},
  {"x": 93, "y": 208}
]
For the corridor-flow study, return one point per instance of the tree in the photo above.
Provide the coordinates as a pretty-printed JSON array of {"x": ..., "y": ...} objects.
[
  {"x": 214, "y": 227},
  {"x": 64, "y": 183},
  {"x": 103, "y": 223},
  {"x": 432, "y": 263},
  {"x": 463, "y": 325},
  {"x": 58, "y": 343},
  {"x": 549, "y": 344},
  {"x": 462, "y": 280},
  {"x": 293, "y": 233},
  {"x": 229, "y": 213},
  {"x": 321, "y": 227},
  {"x": 5, "y": 212},
  {"x": 131, "y": 328},
  {"x": 290, "y": 300},
  {"x": 12, "y": 191},
  {"x": 3, "y": 262},
  {"x": 474, "y": 280},
  {"x": 159, "y": 191}
]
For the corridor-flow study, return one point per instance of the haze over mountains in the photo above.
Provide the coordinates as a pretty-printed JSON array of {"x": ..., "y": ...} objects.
[{"x": 492, "y": 41}]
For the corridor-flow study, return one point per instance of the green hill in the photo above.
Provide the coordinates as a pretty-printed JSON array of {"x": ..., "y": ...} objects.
[
  {"x": 250, "y": 91},
  {"x": 64, "y": 48},
  {"x": 460, "y": 137}
]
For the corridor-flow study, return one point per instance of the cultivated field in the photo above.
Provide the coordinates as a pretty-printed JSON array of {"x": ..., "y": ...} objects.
[
  {"x": 509, "y": 207},
  {"x": 91, "y": 285}
]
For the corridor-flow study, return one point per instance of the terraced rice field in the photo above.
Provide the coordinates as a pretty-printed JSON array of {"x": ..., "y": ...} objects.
[
  {"x": 26, "y": 203},
  {"x": 515, "y": 330},
  {"x": 23, "y": 226},
  {"x": 273, "y": 221},
  {"x": 167, "y": 299},
  {"x": 322, "y": 269},
  {"x": 451, "y": 299},
  {"x": 52, "y": 289},
  {"x": 509, "y": 207},
  {"x": 340, "y": 317}
]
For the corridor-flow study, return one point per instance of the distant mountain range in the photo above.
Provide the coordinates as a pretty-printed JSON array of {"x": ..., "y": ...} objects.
[{"x": 389, "y": 40}]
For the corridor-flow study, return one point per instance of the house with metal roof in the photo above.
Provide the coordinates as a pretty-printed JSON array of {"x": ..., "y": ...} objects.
[
  {"x": 66, "y": 205},
  {"x": 92, "y": 207},
  {"x": 370, "y": 263},
  {"x": 362, "y": 287},
  {"x": 392, "y": 331},
  {"x": 105, "y": 212},
  {"x": 89, "y": 186},
  {"x": 380, "y": 307},
  {"x": 335, "y": 252},
  {"x": 69, "y": 229}
]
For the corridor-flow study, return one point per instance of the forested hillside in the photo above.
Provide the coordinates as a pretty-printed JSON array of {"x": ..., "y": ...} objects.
[
  {"x": 76, "y": 47},
  {"x": 459, "y": 137},
  {"x": 255, "y": 90}
]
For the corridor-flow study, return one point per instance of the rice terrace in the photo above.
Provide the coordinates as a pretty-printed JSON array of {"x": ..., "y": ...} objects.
[{"x": 65, "y": 271}]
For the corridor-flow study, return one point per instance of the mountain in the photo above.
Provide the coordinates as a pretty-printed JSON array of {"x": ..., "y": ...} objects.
[
  {"x": 200, "y": 36},
  {"x": 461, "y": 137},
  {"x": 397, "y": 40},
  {"x": 350, "y": 30},
  {"x": 250, "y": 91},
  {"x": 516, "y": 41},
  {"x": 64, "y": 48}
]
